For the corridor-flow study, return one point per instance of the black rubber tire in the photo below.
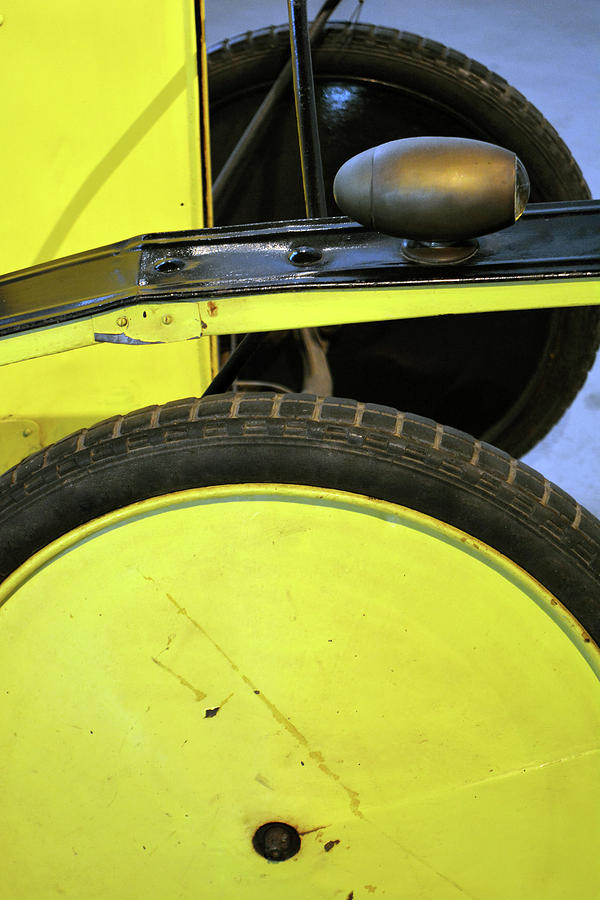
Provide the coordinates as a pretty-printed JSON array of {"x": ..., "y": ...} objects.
[
  {"x": 503, "y": 377},
  {"x": 300, "y": 439}
]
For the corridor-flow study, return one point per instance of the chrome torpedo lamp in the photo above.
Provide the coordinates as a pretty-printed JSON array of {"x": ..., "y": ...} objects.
[{"x": 438, "y": 193}]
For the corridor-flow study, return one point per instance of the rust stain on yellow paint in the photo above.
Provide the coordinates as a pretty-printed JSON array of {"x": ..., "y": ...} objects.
[
  {"x": 279, "y": 717},
  {"x": 200, "y": 695}
]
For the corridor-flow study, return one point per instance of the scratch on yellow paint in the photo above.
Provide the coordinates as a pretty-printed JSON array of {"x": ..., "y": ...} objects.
[
  {"x": 264, "y": 781},
  {"x": 183, "y": 612},
  {"x": 279, "y": 717},
  {"x": 200, "y": 695},
  {"x": 311, "y": 830}
]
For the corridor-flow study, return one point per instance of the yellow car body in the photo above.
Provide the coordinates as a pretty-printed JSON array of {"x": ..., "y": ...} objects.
[{"x": 178, "y": 672}]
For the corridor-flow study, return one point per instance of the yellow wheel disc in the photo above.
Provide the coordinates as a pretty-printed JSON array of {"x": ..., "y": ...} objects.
[{"x": 177, "y": 674}]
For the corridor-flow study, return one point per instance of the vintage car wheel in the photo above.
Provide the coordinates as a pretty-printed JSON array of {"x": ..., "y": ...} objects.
[
  {"x": 365, "y": 631},
  {"x": 504, "y": 377}
]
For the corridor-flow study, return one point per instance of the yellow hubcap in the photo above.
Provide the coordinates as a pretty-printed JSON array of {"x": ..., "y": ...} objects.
[{"x": 177, "y": 674}]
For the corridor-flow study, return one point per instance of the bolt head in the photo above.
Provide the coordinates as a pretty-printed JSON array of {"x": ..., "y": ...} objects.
[{"x": 276, "y": 841}]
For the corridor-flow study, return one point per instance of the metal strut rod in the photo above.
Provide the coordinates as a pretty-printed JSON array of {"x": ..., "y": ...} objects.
[
  {"x": 317, "y": 374},
  {"x": 228, "y": 373},
  {"x": 315, "y": 362},
  {"x": 306, "y": 112},
  {"x": 262, "y": 115}
]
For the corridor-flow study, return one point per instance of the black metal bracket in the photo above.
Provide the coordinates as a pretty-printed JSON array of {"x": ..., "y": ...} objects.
[{"x": 550, "y": 242}]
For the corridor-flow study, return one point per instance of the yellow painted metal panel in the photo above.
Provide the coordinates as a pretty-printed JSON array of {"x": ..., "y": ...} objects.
[
  {"x": 314, "y": 308},
  {"x": 67, "y": 391},
  {"x": 44, "y": 342},
  {"x": 18, "y": 439},
  {"x": 100, "y": 124},
  {"x": 278, "y": 311},
  {"x": 424, "y": 713},
  {"x": 101, "y": 140}
]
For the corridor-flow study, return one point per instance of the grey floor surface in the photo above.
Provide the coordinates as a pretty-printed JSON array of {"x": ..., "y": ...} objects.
[{"x": 547, "y": 51}]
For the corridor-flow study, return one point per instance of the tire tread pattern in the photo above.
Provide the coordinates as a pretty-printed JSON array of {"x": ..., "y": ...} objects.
[{"x": 362, "y": 429}]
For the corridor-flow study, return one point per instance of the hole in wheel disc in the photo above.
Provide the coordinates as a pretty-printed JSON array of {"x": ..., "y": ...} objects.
[{"x": 276, "y": 841}]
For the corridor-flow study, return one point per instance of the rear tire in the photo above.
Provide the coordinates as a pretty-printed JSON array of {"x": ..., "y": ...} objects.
[{"x": 504, "y": 377}]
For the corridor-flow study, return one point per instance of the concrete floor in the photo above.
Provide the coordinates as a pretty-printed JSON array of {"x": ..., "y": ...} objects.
[{"x": 550, "y": 54}]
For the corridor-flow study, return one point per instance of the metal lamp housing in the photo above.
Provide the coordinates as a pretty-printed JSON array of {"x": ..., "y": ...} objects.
[{"x": 433, "y": 188}]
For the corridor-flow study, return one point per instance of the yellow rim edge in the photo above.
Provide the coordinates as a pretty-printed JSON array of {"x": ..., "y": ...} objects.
[
  {"x": 464, "y": 750},
  {"x": 372, "y": 506}
]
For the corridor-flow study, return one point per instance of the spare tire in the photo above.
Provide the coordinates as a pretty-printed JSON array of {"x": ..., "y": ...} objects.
[{"x": 504, "y": 377}]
